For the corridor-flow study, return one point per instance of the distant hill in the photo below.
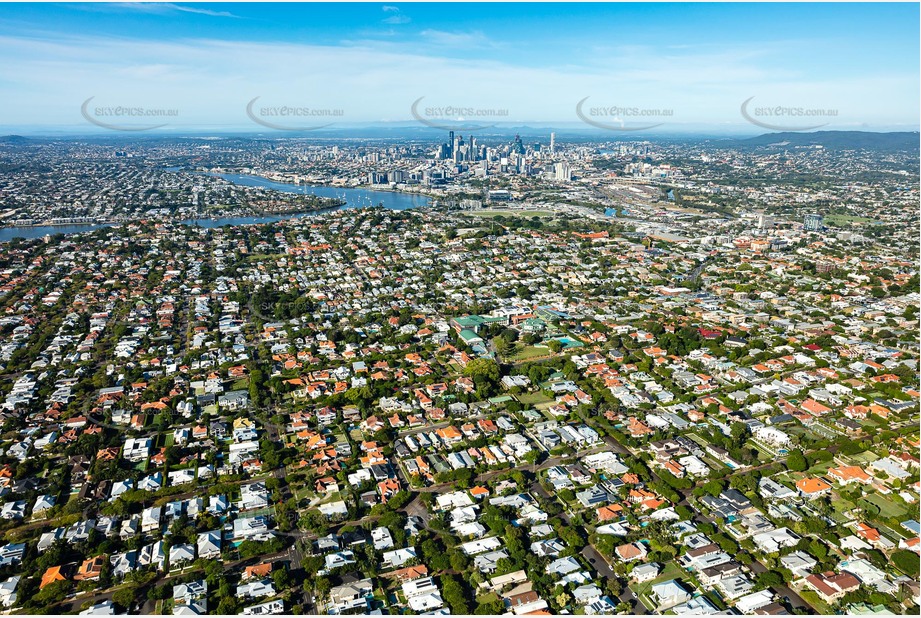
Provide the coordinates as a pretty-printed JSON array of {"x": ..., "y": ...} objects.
[
  {"x": 838, "y": 140},
  {"x": 13, "y": 139}
]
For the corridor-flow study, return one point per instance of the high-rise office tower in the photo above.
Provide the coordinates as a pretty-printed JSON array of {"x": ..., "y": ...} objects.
[
  {"x": 812, "y": 222},
  {"x": 552, "y": 143},
  {"x": 562, "y": 171}
]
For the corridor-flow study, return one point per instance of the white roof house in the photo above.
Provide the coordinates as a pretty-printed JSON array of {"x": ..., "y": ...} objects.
[
  {"x": 12, "y": 553},
  {"x": 129, "y": 527},
  {"x": 181, "y": 554},
  {"x": 209, "y": 544},
  {"x": 668, "y": 594},
  {"x": 799, "y": 563},
  {"x": 190, "y": 599},
  {"x": 105, "y": 608},
  {"x": 255, "y": 589},
  {"x": 13, "y": 510},
  {"x": 749, "y": 603},
  {"x": 398, "y": 557},
  {"x": 152, "y": 555},
  {"x": 334, "y": 509},
  {"x": 151, "y": 482},
  {"x": 562, "y": 566},
  {"x": 136, "y": 449},
  {"x": 478, "y": 546},
  {"x": 422, "y": 595},
  {"x": 381, "y": 538},
  {"x": 252, "y": 528},
  {"x": 645, "y": 572},
  {"x": 181, "y": 477},
  {"x": 120, "y": 487},
  {"x": 43, "y": 503},
  {"x": 8, "y": 591},
  {"x": 773, "y": 540},
  {"x": 123, "y": 563},
  {"x": 150, "y": 518},
  {"x": 338, "y": 559},
  {"x": 275, "y": 606}
]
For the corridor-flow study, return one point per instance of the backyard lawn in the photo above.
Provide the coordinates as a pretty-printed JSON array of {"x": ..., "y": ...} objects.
[
  {"x": 821, "y": 468},
  {"x": 813, "y": 599},
  {"x": 866, "y": 457},
  {"x": 890, "y": 532},
  {"x": 529, "y": 352},
  {"x": 887, "y": 506},
  {"x": 671, "y": 571},
  {"x": 841, "y": 506},
  {"x": 532, "y": 399},
  {"x": 489, "y": 597}
]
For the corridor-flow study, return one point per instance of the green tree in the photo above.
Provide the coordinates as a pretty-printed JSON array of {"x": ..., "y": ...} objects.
[
  {"x": 907, "y": 562},
  {"x": 486, "y": 608},
  {"x": 483, "y": 369},
  {"x": 125, "y": 596},
  {"x": 454, "y": 595},
  {"x": 323, "y": 586},
  {"x": 281, "y": 578},
  {"x": 769, "y": 579},
  {"x": 713, "y": 487},
  {"x": 228, "y": 606},
  {"x": 255, "y": 386},
  {"x": 796, "y": 461}
]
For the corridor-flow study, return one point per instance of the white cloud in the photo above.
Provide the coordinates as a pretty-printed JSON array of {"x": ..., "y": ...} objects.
[
  {"x": 162, "y": 8},
  {"x": 396, "y": 19},
  {"x": 46, "y": 77},
  {"x": 453, "y": 39}
]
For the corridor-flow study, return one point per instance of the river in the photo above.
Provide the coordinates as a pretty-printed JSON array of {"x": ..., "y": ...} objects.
[{"x": 354, "y": 198}]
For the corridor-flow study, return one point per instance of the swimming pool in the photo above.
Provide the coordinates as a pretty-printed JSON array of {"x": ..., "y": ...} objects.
[{"x": 568, "y": 342}]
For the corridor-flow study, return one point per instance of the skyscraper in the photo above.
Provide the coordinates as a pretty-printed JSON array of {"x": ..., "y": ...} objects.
[
  {"x": 458, "y": 149},
  {"x": 562, "y": 171},
  {"x": 552, "y": 143},
  {"x": 812, "y": 222}
]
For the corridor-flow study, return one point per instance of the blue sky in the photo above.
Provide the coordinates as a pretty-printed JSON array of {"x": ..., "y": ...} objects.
[{"x": 536, "y": 61}]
